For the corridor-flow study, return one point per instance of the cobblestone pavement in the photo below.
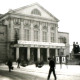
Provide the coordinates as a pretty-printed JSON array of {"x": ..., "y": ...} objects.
[{"x": 70, "y": 72}]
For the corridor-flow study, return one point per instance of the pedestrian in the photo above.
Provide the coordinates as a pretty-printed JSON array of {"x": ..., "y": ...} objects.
[
  {"x": 18, "y": 61},
  {"x": 66, "y": 58},
  {"x": 9, "y": 63},
  {"x": 52, "y": 68},
  {"x": 60, "y": 60}
]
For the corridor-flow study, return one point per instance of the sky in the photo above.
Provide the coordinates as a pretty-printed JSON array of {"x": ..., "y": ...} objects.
[{"x": 67, "y": 11}]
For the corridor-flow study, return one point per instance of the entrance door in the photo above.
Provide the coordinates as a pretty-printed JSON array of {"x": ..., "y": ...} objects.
[
  {"x": 23, "y": 53},
  {"x": 33, "y": 54},
  {"x": 43, "y": 52}
]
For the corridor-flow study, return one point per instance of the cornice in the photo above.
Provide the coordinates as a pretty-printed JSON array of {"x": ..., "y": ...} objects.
[
  {"x": 36, "y": 18},
  {"x": 63, "y": 32}
]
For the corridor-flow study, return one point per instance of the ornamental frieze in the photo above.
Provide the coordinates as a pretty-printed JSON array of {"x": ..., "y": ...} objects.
[
  {"x": 27, "y": 23},
  {"x": 36, "y": 23},
  {"x": 44, "y": 26},
  {"x": 17, "y": 21}
]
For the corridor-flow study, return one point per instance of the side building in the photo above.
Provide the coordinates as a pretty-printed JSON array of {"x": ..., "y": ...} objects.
[
  {"x": 63, "y": 37},
  {"x": 31, "y": 33}
]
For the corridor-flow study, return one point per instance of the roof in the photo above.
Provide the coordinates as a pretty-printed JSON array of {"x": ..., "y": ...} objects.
[
  {"x": 13, "y": 11},
  {"x": 33, "y": 5}
]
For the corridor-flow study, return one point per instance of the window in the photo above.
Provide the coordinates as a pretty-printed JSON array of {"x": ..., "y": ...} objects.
[
  {"x": 44, "y": 36},
  {"x": 36, "y": 12},
  {"x": 16, "y": 30},
  {"x": 35, "y": 35},
  {"x": 63, "y": 39},
  {"x": 52, "y": 37},
  {"x": 26, "y": 34}
]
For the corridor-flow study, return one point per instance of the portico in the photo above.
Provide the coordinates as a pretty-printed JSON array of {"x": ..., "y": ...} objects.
[{"x": 36, "y": 51}]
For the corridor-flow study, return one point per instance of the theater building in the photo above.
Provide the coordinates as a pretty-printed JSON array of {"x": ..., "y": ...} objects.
[{"x": 31, "y": 33}]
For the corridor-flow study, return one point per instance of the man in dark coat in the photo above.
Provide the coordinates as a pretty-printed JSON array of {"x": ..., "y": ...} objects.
[
  {"x": 52, "y": 68},
  {"x": 9, "y": 63}
]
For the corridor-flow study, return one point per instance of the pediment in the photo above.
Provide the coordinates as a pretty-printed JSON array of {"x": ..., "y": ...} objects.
[{"x": 35, "y": 10}]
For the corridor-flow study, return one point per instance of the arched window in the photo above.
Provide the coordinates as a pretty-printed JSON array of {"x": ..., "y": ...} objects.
[{"x": 36, "y": 12}]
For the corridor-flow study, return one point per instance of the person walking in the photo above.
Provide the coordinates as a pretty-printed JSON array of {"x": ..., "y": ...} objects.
[
  {"x": 60, "y": 61},
  {"x": 9, "y": 63},
  {"x": 52, "y": 68},
  {"x": 18, "y": 61}
]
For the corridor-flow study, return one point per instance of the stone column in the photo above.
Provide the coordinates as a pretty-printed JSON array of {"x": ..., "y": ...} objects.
[
  {"x": 28, "y": 53},
  {"x": 48, "y": 54},
  {"x": 12, "y": 30},
  {"x": 17, "y": 53},
  {"x": 56, "y": 33},
  {"x": 32, "y": 33},
  {"x": 22, "y": 31},
  {"x": 38, "y": 55},
  {"x": 48, "y": 37},
  {"x": 40, "y": 33},
  {"x": 56, "y": 52}
]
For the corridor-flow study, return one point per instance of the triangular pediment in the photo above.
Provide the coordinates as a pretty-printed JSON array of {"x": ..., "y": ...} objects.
[{"x": 35, "y": 10}]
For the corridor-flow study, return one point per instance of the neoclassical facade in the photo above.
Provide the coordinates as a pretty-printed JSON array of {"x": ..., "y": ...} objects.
[{"x": 36, "y": 32}]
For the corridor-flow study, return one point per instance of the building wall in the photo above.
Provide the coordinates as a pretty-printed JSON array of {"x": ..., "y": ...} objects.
[
  {"x": 22, "y": 19},
  {"x": 3, "y": 43},
  {"x": 32, "y": 24},
  {"x": 63, "y": 37}
]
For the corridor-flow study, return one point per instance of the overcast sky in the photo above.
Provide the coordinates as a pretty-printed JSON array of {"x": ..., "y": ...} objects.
[{"x": 67, "y": 11}]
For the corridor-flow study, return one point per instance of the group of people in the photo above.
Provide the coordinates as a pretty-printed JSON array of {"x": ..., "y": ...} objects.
[
  {"x": 10, "y": 65},
  {"x": 51, "y": 64}
]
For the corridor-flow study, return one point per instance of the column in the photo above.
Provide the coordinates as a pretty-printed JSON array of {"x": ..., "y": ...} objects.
[
  {"x": 48, "y": 54},
  {"x": 56, "y": 52},
  {"x": 21, "y": 31},
  {"x": 32, "y": 34},
  {"x": 12, "y": 30},
  {"x": 17, "y": 53},
  {"x": 56, "y": 33},
  {"x": 38, "y": 55},
  {"x": 40, "y": 33},
  {"x": 28, "y": 53},
  {"x": 48, "y": 36}
]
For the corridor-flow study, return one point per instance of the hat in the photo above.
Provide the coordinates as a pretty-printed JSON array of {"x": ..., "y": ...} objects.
[{"x": 49, "y": 58}]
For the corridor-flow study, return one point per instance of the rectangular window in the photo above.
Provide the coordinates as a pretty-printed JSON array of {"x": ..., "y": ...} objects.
[
  {"x": 44, "y": 36},
  {"x": 52, "y": 37},
  {"x": 26, "y": 34},
  {"x": 17, "y": 33},
  {"x": 35, "y": 35}
]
